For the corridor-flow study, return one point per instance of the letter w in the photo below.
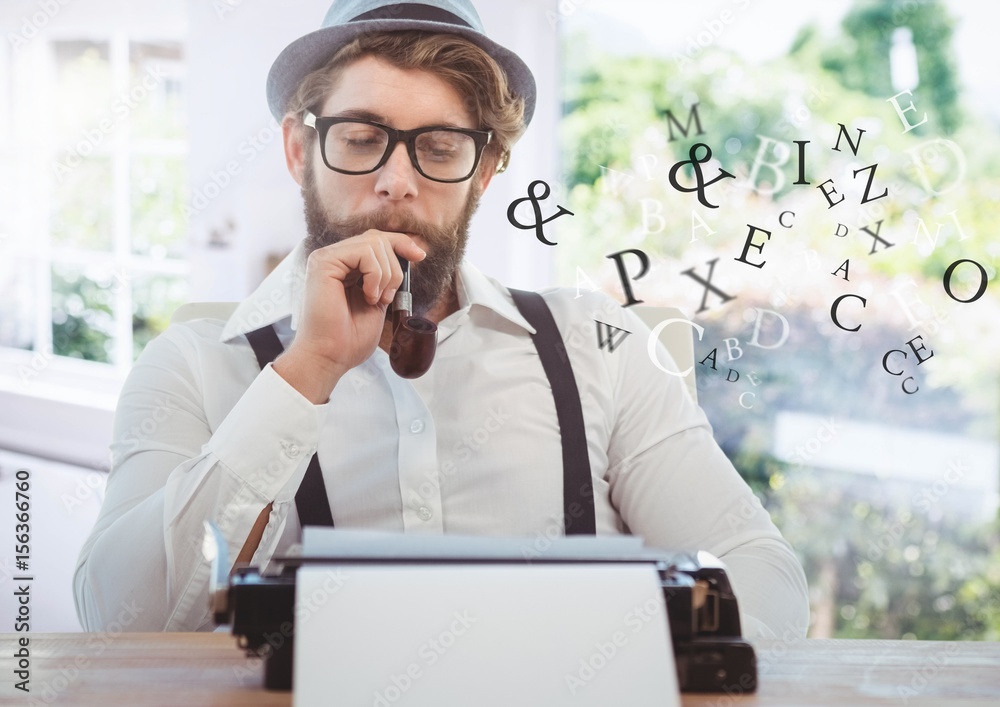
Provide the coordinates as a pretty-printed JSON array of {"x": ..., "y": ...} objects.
[{"x": 605, "y": 337}]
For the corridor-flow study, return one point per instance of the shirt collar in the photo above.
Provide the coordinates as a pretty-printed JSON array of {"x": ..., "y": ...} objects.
[
  {"x": 280, "y": 296},
  {"x": 475, "y": 288}
]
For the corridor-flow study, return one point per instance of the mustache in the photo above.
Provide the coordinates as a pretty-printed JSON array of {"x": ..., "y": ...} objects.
[{"x": 391, "y": 221}]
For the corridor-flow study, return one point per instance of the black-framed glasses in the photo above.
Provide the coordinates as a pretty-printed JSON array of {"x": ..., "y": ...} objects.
[{"x": 355, "y": 146}]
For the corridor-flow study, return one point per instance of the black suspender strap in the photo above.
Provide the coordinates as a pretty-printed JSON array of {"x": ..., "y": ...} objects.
[
  {"x": 578, "y": 486},
  {"x": 310, "y": 499},
  {"x": 265, "y": 344}
]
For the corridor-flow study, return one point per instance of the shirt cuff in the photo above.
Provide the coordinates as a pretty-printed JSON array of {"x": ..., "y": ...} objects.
[{"x": 270, "y": 433}]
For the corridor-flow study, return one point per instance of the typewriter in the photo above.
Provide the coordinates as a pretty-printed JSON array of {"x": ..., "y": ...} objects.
[{"x": 710, "y": 653}]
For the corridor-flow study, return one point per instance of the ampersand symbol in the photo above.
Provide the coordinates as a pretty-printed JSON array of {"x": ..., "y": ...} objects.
[
  {"x": 699, "y": 179},
  {"x": 539, "y": 221}
]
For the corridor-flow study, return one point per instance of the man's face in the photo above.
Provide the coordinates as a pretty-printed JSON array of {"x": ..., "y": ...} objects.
[{"x": 395, "y": 197}]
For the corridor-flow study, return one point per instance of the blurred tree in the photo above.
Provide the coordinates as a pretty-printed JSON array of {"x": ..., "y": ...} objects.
[{"x": 861, "y": 58}]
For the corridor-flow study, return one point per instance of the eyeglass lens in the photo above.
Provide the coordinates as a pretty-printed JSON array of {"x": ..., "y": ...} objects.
[{"x": 441, "y": 154}]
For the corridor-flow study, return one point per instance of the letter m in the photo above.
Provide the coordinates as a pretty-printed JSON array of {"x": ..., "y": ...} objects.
[{"x": 672, "y": 121}]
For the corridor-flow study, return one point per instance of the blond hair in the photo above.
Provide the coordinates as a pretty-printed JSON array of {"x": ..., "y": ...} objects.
[{"x": 467, "y": 68}]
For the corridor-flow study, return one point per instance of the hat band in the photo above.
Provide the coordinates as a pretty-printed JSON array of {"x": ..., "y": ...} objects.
[{"x": 413, "y": 11}]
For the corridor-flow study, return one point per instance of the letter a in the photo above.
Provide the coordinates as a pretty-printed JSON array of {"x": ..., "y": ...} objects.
[
  {"x": 710, "y": 356},
  {"x": 845, "y": 266},
  {"x": 695, "y": 218}
]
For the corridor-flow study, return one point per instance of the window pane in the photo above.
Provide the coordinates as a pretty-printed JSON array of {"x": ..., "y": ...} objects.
[
  {"x": 155, "y": 298},
  {"x": 17, "y": 283},
  {"x": 83, "y": 81},
  {"x": 158, "y": 221},
  {"x": 82, "y": 312},
  {"x": 155, "y": 88},
  {"x": 81, "y": 216}
]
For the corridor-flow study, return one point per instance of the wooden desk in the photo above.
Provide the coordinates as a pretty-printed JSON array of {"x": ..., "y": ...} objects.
[{"x": 191, "y": 669}]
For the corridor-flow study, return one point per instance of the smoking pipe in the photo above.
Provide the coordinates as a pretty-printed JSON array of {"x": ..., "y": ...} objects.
[{"x": 414, "y": 339}]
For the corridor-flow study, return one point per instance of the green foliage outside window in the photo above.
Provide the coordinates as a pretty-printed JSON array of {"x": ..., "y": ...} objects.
[{"x": 882, "y": 561}]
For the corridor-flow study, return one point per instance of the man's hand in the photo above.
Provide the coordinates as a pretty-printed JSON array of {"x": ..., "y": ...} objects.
[{"x": 343, "y": 317}]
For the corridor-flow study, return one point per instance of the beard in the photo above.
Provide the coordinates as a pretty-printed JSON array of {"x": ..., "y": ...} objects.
[{"x": 432, "y": 276}]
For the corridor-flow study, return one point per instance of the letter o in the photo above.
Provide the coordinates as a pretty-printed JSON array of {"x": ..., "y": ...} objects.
[
  {"x": 597, "y": 661},
  {"x": 214, "y": 187},
  {"x": 983, "y": 280},
  {"x": 392, "y": 693}
]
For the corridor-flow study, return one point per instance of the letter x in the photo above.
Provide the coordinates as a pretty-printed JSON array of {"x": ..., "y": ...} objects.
[{"x": 708, "y": 285}]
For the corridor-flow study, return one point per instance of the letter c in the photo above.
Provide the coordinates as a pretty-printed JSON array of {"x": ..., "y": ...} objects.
[
  {"x": 752, "y": 395},
  {"x": 885, "y": 362},
  {"x": 781, "y": 218},
  {"x": 836, "y": 303},
  {"x": 655, "y": 335},
  {"x": 909, "y": 392}
]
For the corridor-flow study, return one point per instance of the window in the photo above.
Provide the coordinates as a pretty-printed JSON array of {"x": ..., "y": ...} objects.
[
  {"x": 884, "y": 479},
  {"x": 94, "y": 159}
]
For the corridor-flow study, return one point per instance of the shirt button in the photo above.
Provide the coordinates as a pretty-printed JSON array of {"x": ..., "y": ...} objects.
[
  {"x": 417, "y": 426},
  {"x": 290, "y": 449},
  {"x": 424, "y": 513}
]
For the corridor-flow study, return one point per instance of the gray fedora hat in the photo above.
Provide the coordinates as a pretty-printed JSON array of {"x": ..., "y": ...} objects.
[{"x": 346, "y": 19}]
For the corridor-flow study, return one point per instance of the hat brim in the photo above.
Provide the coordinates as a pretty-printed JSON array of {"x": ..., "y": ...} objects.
[{"x": 312, "y": 51}]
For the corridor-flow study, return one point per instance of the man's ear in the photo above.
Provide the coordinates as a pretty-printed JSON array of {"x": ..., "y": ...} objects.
[
  {"x": 295, "y": 155},
  {"x": 486, "y": 171}
]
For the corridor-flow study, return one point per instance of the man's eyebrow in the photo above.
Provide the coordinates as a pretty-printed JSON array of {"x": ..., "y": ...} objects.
[{"x": 360, "y": 114}]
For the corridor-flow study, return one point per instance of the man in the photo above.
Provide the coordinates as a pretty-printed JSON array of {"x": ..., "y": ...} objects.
[{"x": 395, "y": 119}]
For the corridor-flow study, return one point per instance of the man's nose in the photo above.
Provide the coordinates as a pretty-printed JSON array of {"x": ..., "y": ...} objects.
[{"x": 398, "y": 178}]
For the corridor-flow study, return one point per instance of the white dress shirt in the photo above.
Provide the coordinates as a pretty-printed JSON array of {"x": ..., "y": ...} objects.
[{"x": 473, "y": 447}]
